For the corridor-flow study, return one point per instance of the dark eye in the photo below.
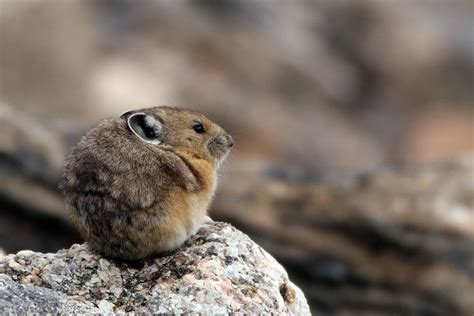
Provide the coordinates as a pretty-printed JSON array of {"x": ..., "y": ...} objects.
[{"x": 199, "y": 128}]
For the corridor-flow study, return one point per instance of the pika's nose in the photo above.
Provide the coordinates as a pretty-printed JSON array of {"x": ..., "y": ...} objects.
[{"x": 230, "y": 141}]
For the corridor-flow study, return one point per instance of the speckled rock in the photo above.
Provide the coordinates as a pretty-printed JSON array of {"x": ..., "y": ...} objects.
[
  {"x": 219, "y": 270},
  {"x": 19, "y": 299}
]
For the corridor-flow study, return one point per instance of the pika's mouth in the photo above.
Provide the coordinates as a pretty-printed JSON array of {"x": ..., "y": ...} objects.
[{"x": 220, "y": 145}]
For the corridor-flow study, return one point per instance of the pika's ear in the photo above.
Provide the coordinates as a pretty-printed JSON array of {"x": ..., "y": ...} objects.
[
  {"x": 146, "y": 127},
  {"x": 126, "y": 114}
]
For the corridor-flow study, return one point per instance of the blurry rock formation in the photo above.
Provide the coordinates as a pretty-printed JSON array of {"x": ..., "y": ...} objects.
[
  {"x": 218, "y": 271},
  {"x": 32, "y": 212},
  {"x": 390, "y": 242},
  {"x": 325, "y": 84}
]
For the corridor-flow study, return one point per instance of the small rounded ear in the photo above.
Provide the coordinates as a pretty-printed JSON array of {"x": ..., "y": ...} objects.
[{"x": 146, "y": 127}]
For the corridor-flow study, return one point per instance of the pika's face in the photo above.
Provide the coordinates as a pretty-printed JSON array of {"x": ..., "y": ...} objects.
[{"x": 181, "y": 129}]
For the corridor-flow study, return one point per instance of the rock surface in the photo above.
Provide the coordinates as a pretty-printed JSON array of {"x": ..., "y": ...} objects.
[{"x": 218, "y": 271}]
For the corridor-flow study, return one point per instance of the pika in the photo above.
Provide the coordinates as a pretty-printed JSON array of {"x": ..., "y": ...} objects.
[{"x": 140, "y": 184}]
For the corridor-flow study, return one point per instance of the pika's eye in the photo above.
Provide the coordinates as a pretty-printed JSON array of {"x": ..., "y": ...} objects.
[{"x": 199, "y": 128}]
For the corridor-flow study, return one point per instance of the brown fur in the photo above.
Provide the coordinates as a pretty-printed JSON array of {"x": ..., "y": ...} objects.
[{"x": 131, "y": 199}]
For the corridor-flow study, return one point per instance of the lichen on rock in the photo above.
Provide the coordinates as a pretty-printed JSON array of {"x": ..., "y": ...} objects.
[{"x": 218, "y": 271}]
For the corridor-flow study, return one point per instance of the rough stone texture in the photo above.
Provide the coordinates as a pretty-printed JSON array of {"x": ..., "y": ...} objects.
[
  {"x": 218, "y": 271},
  {"x": 27, "y": 299}
]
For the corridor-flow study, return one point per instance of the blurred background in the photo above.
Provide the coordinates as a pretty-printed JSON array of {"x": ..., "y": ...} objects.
[{"x": 353, "y": 122}]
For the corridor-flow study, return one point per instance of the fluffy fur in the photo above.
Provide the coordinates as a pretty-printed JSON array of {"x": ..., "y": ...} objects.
[{"x": 131, "y": 199}]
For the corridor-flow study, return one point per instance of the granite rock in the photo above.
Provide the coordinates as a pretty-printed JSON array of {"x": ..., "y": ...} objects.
[{"x": 218, "y": 271}]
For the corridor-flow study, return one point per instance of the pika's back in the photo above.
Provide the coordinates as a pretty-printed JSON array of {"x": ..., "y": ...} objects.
[
  {"x": 141, "y": 183},
  {"x": 103, "y": 168}
]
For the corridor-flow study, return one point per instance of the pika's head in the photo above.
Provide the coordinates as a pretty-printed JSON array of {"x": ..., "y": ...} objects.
[{"x": 181, "y": 129}]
